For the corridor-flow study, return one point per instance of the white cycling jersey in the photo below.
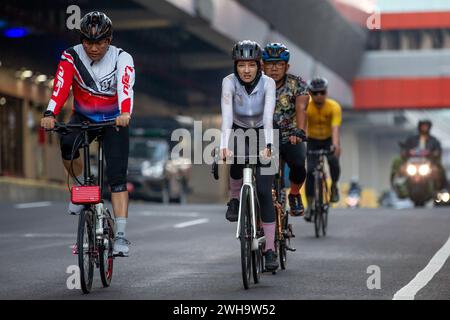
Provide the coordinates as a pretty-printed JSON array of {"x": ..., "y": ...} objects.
[{"x": 253, "y": 110}]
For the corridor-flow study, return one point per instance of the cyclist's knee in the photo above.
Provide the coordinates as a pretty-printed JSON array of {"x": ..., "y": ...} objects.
[
  {"x": 118, "y": 183},
  {"x": 67, "y": 149}
]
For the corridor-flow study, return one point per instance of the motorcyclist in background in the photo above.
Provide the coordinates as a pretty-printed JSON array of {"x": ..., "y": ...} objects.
[{"x": 425, "y": 141}]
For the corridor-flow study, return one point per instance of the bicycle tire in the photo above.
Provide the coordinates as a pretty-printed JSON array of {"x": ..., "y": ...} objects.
[
  {"x": 86, "y": 259},
  {"x": 317, "y": 204},
  {"x": 257, "y": 264},
  {"x": 283, "y": 242},
  {"x": 325, "y": 207},
  {"x": 246, "y": 238},
  {"x": 106, "y": 249}
]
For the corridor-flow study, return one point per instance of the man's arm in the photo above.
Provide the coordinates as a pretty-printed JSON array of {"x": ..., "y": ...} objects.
[
  {"x": 301, "y": 102},
  {"x": 125, "y": 83},
  {"x": 336, "y": 122},
  {"x": 336, "y": 140},
  {"x": 437, "y": 150},
  {"x": 61, "y": 88}
]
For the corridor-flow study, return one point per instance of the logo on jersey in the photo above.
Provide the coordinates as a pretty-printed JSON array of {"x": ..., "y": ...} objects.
[
  {"x": 60, "y": 81},
  {"x": 107, "y": 83},
  {"x": 126, "y": 79}
]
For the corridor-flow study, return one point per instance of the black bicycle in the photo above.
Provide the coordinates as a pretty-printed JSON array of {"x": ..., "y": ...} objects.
[
  {"x": 283, "y": 230},
  {"x": 95, "y": 237},
  {"x": 321, "y": 203}
]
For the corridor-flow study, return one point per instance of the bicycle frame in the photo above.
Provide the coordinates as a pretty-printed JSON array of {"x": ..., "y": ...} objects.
[{"x": 248, "y": 181}]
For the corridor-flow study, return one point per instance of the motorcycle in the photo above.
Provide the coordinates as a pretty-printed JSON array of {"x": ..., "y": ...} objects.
[
  {"x": 353, "y": 198},
  {"x": 419, "y": 178}
]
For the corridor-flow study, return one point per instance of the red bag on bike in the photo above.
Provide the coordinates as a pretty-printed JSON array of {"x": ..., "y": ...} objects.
[{"x": 85, "y": 194}]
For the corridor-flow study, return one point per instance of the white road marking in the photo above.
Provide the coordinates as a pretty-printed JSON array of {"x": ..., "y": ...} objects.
[
  {"x": 409, "y": 291},
  {"x": 33, "y": 205},
  {"x": 37, "y": 235},
  {"x": 167, "y": 214},
  {"x": 191, "y": 223}
]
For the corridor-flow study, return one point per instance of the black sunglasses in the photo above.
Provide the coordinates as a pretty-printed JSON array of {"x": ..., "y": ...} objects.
[{"x": 322, "y": 92}]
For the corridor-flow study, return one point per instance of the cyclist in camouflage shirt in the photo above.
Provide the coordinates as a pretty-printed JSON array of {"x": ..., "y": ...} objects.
[{"x": 289, "y": 118}]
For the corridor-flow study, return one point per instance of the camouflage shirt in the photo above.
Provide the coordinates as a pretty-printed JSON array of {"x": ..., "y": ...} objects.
[{"x": 284, "y": 116}]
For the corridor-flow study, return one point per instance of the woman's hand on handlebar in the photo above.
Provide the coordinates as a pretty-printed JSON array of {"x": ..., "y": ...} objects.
[
  {"x": 267, "y": 152},
  {"x": 225, "y": 153}
]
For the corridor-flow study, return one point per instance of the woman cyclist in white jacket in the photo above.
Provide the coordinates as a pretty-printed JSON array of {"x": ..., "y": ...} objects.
[{"x": 248, "y": 102}]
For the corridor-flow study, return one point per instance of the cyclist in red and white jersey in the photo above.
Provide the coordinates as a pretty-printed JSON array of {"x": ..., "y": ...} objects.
[{"x": 101, "y": 77}]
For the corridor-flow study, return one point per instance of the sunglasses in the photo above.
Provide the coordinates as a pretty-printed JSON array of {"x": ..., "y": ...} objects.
[{"x": 316, "y": 93}]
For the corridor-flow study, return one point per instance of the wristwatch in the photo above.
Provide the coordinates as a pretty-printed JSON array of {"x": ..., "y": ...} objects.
[{"x": 49, "y": 113}]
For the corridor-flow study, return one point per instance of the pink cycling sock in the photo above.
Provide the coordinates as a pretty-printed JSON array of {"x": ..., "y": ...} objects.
[
  {"x": 235, "y": 188},
  {"x": 269, "y": 233}
]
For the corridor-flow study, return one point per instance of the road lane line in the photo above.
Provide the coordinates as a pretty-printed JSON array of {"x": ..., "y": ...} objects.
[
  {"x": 33, "y": 205},
  {"x": 191, "y": 223},
  {"x": 409, "y": 291},
  {"x": 167, "y": 214},
  {"x": 37, "y": 235}
]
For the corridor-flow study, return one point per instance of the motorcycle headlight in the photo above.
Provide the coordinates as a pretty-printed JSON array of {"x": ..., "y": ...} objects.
[
  {"x": 424, "y": 169},
  {"x": 411, "y": 169}
]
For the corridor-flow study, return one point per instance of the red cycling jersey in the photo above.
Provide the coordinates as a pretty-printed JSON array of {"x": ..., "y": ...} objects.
[{"x": 102, "y": 90}]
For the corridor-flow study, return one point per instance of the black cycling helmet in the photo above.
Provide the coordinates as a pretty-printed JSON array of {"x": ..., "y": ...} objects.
[
  {"x": 95, "y": 26},
  {"x": 276, "y": 52},
  {"x": 246, "y": 50},
  {"x": 318, "y": 84},
  {"x": 425, "y": 121}
]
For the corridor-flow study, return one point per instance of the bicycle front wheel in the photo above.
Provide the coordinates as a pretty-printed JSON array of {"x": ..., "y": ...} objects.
[
  {"x": 283, "y": 241},
  {"x": 325, "y": 208},
  {"x": 318, "y": 206},
  {"x": 86, "y": 247},
  {"x": 246, "y": 237}
]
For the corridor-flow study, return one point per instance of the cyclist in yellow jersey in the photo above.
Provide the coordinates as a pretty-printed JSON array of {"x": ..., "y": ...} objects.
[{"x": 324, "y": 118}]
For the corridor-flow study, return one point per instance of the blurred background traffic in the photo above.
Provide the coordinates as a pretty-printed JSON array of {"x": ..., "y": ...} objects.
[{"x": 387, "y": 62}]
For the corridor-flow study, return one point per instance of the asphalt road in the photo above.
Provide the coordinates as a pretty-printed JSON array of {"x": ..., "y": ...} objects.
[{"x": 201, "y": 260}]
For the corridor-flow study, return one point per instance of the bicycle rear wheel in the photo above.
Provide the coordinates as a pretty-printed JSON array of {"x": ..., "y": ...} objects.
[
  {"x": 106, "y": 251},
  {"x": 246, "y": 237},
  {"x": 86, "y": 247}
]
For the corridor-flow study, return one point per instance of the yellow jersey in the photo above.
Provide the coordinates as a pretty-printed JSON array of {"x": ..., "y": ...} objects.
[{"x": 321, "y": 120}]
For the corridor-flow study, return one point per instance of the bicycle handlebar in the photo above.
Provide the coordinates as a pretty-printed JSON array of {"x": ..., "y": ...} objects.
[
  {"x": 85, "y": 126},
  {"x": 321, "y": 152}
]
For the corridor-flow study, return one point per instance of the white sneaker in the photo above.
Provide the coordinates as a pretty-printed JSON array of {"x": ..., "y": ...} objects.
[
  {"x": 121, "y": 247},
  {"x": 74, "y": 209}
]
